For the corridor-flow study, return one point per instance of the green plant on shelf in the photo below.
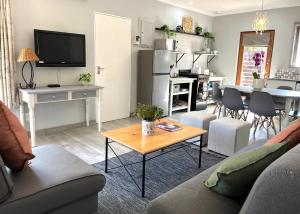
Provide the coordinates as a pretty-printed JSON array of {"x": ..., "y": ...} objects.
[
  {"x": 208, "y": 35},
  {"x": 85, "y": 78},
  {"x": 169, "y": 33},
  {"x": 198, "y": 30}
]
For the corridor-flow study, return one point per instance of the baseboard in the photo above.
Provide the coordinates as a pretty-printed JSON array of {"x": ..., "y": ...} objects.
[{"x": 65, "y": 127}]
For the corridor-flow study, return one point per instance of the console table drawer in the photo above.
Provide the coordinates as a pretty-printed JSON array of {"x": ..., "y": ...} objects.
[
  {"x": 52, "y": 97},
  {"x": 83, "y": 94}
]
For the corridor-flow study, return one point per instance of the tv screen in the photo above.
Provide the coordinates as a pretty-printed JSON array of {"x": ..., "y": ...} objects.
[{"x": 58, "y": 49}]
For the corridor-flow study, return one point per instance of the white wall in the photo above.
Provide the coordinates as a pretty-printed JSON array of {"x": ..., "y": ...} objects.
[
  {"x": 77, "y": 16},
  {"x": 227, "y": 32}
]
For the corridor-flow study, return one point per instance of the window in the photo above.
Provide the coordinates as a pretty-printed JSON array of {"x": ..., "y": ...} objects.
[
  {"x": 252, "y": 44},
  {"x": 248, "y": 65},
  {"x": 295, "y": 62}
]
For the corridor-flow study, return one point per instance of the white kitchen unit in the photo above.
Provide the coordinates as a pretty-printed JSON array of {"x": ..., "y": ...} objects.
[
  {"x": 175, "y": 84},
  {"x": 61, "y": 94}
]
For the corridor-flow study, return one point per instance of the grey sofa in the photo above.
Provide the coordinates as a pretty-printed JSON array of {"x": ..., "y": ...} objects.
[
  {"x": 276, "y": 191},
  {"x": 56, "y": 182}
]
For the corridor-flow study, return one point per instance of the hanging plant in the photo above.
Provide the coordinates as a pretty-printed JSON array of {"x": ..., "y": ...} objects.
[{"x": 168, "y": 33}]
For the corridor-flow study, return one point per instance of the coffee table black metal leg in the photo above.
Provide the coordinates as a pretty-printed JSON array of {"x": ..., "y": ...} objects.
[
  {"x": 200, "y": 151},
  {"x": 106, "y": 154},
  {"x": 143, "y": 176}
]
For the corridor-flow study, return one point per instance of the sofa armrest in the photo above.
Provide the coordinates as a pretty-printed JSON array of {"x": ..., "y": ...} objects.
[
  {"x": 6, "y": 184},
  {"x": 277, "y": 189}
]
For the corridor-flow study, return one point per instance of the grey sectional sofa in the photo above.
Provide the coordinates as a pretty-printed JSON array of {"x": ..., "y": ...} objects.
[
  {"x": 276, "y": 191},
  {"x": 56, "y": 182}
]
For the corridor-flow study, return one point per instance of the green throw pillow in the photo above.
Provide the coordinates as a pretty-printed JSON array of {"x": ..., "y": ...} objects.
[{"x": 236, "y": 175}]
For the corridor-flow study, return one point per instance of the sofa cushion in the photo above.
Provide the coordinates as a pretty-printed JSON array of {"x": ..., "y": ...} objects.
[
  {"x": 15, "y": 147},
  {"x": 55, "y": 178},
  {"x": 276, "y": 190},
  {"x": 6, "y": 185},
  {"x": 192, "y": 197},
  {"x": 236, "y": 175},
  {"x": 291, "y": 134}
]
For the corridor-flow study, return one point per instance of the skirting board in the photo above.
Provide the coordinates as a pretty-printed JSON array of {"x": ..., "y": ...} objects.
[{"x": 65, "y": 127}]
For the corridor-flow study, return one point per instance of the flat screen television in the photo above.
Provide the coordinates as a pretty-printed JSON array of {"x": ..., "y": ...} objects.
[{"x": 58, "y": 49}]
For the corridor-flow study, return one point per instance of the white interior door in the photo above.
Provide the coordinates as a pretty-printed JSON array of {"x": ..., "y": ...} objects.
[{"x": 113, "y": 64}]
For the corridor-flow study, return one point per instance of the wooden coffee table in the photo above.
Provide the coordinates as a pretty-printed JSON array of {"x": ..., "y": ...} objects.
[{"x": 163, "y": 141}]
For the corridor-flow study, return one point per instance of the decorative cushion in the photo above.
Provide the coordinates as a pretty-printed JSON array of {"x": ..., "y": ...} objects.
[
  {"x": 6, "y": 184},
  {"x": 236, "y": 175},
  {"x": 291, "y": 134},
  {"x": 15, "y": 147}
]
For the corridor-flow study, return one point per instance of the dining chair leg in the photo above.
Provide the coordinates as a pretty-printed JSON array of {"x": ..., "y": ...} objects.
[
  {"x": 255, "y": 121},
  {"x": 244, "y": 115},
  {"x": 220, "y": 110},
  {"x": 273, "y": 126},
  {"x": 280, "y": 120},
  {"x": 262, "y": 123},
  {"x": 215, "y": 110},
  {"x": 268, "y": 127}
]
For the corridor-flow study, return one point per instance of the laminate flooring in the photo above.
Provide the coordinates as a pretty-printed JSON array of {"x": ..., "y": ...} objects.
[{"x": 89, "y": 145}]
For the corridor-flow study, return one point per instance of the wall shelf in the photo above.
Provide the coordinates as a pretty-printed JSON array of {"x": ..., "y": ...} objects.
[
  {"x": 210, "y": 57},
  {"x": 179, "y": 56},
  {"x": 178, "y": 108},
  {"x": 181, "y": 93},
  {"x": 191, "y": 34}
]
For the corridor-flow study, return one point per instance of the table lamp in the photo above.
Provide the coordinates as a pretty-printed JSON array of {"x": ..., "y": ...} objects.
[{"x": 27, "y": 55}]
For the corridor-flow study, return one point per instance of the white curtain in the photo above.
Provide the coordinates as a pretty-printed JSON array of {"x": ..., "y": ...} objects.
[{"x": 7, "y": 60}]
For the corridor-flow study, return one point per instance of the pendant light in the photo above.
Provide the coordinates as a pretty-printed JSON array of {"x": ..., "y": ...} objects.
[{"x": 260, "y": 22}]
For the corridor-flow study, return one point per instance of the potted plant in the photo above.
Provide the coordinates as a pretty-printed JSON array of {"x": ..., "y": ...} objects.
[
  {"x": 258, "y": 59},
  {"x": 85, "y": 79},
  {"x": 208, "y": 37},
  {"x": 179, "y": 29},
  {"x": 149, "y": 114},
  {"x": 198, "y": 30},
  {"x": 168, "y": 43},
  {"x": 168, "y": 33}
]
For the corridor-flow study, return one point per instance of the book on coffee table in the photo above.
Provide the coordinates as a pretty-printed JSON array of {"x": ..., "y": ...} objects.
[{"x": 168, "y": 127}]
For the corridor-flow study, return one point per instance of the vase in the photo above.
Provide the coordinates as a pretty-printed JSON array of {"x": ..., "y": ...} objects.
[
  {"x": 148, "y": 127},
  {"x": 258, "y": 83},
  {"x": 84, "y": 83},
  {"x": 206, "y": 44}
]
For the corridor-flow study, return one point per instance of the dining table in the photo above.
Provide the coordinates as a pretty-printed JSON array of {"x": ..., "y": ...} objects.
[{"x": 288, "y": 95}]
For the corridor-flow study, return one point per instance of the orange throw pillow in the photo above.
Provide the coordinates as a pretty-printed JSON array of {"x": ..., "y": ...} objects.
[
  {"x": 291, "y": 134},
  {"x": 15, "y": 148}
]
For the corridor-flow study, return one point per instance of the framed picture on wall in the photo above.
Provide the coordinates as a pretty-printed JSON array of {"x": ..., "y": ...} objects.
[{"x": 187, "y": 24}]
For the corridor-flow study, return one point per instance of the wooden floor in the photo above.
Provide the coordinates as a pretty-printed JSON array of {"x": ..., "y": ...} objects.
[{"x": 89, "y": 145}]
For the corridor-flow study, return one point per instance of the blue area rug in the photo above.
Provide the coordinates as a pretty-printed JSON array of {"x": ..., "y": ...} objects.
[{"x": 121, "y": 196}]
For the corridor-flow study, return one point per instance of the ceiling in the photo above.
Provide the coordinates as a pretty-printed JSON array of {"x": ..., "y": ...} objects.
[{"x": 226, "y": 7}]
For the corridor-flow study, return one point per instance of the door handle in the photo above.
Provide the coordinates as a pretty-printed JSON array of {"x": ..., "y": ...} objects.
[{"x": 99, "y": 68}]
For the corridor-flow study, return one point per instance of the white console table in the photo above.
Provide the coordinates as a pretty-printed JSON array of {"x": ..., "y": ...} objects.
[{"x": 61, "y": 94}]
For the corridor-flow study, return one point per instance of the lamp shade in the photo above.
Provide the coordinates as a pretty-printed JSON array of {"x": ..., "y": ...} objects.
[{"x": 27, "y": 54}]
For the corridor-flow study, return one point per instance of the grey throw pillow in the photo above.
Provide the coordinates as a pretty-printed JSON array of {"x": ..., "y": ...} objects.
[{"x": 6, "y": 184}]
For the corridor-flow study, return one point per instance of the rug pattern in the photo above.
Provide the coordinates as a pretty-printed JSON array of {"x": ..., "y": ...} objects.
[{"x": 121, "y": 196}]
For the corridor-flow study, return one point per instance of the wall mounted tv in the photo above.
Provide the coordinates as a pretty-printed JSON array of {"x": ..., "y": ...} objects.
[{"x": 58, "y": 49}]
